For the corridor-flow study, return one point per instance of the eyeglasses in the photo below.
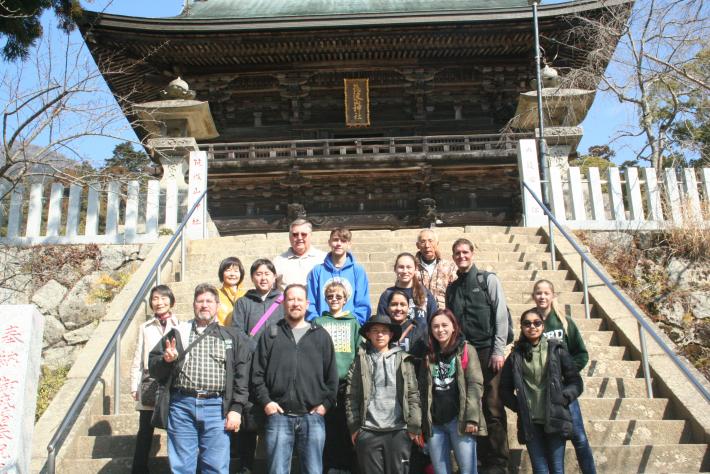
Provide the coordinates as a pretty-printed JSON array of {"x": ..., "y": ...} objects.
[
  {"x": 296, "y": 235},
  {"x": 334, "y": 297},
  {"x": 536, "y": 323}
]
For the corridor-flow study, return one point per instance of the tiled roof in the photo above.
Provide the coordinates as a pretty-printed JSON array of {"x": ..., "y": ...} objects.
[{"x": 223, "y": 9}]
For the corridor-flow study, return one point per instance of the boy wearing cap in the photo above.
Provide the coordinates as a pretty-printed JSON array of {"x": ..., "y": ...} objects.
[{"x": 382, "y": 400}]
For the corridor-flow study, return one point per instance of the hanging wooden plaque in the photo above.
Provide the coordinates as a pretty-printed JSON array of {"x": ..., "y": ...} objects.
[{"x": 357, "y": 102}]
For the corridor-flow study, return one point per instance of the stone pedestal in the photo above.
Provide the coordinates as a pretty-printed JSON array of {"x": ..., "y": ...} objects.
[
  {"x": 561, "y": 143},
  {"x": 21, "y": 328}
]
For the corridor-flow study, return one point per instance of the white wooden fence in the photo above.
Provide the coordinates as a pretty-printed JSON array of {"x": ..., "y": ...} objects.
[
  {"x": 617, "y": 199},
  {"x": 631, "y": 198},
  {"x": 116, "y": 213}
]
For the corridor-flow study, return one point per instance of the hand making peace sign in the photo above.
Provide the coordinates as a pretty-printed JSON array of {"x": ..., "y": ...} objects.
[{"x": 170, "y": 354}]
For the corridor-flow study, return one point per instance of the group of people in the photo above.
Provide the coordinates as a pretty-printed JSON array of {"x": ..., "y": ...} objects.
[{"x": 303, "y": 362}]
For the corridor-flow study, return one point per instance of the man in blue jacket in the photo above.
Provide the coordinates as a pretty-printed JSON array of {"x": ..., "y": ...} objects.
[{"x": 339, "y": 265}]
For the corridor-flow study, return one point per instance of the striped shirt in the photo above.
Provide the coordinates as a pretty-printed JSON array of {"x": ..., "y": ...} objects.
[{"x": 205, "y": 366}]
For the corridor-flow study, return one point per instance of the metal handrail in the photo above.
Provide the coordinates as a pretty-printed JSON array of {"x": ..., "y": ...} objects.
[
  {"x": 642, "y": 323},
  {"x": 113, "y": 348}
]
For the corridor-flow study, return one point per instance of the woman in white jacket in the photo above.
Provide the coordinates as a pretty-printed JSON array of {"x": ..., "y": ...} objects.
[{"x": 162, "y": 301}]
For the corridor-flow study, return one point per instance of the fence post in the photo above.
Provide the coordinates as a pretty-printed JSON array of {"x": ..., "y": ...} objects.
[
  {"x": 673, "y": 195},
  {"x": 54, "y": 216},
  {"x": 15, "y": 214},
  {"x": 34, "y": 210},
  {"x": 595, "y": 193},
  {"x": 73, "y": 209},
  {"x": 129, "y": 231},
  {"x": 152, "y": 203},
  {"x": 691, "y": 192},
  {"x": 93, "y": 210},
  {"x": 112, "y": 202},
  {"x": 575, "y": 188},
  {"x": 655, "y": 213},
  {"x": 633, "y": 188},
  {"x": 616, "y": 197}
]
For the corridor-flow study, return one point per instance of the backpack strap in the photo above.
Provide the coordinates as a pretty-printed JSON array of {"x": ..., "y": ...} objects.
[
  {"x": 464, "y": 357},
  {"x": 482, "y": 278}
]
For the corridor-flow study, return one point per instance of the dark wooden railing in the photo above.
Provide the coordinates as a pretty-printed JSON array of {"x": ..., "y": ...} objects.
[{"x": 449, "y": 144}]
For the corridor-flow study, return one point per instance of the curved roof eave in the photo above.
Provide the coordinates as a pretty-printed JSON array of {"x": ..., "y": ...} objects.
[{"x": 194, "y": 25}]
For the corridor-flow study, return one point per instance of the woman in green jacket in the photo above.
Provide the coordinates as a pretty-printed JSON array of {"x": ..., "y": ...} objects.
[
  {"x": 451, "y": 403},
  {"x": 565, "y": 330}
]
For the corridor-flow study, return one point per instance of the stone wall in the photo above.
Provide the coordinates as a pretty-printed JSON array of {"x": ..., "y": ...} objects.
[{"x": 71, "y": 285}]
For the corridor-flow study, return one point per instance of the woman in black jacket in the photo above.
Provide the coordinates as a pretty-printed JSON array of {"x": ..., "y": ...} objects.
[{"x": 539, "y": 381}]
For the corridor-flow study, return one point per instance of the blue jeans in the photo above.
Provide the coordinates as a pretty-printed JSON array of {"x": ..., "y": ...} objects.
[
  {"x": 306, "y": 431},
  {"x": 447, "y": 436},
  {"x": 546, "y": 451},
  {"x": 196, "y": 435},
  {"x": 585, "y": 458}
]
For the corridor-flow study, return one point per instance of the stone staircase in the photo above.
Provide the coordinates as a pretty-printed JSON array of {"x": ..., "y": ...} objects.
[{"x": 628, "y": 431}]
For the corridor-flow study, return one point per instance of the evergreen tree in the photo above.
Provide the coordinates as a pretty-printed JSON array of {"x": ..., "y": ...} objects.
[
  {"x": 20, "y": 23},
  {"x": 126, "y": 159}
]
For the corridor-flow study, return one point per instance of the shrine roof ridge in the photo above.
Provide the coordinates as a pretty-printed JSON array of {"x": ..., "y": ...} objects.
[{"x": 202, "y": 18}]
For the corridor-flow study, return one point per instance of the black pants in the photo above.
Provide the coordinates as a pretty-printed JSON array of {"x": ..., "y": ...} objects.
[
  {"x": 244, "y": 448},
  {"x": 385, "y": 452},
  {"x": 493, "y": 449},
  {"x": 338, "y": 452},
  {"x": 144, "y": 441}
]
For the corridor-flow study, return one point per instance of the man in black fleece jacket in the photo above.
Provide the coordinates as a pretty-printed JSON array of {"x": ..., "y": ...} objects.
[{"x": 295, "y": 379}]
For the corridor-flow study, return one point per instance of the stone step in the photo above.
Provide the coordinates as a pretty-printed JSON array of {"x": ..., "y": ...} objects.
[
  {"x": 211, "y": 258},
  {"x": 607, "y": 408},
  {"x": 594, "y": 387},
  {"x": 201, "y": 270},
  {"x": 359, "y": 247},
  {"x": 475, "y": 234},
  {"x": 650, "y": 459},
  {"x": 575, "y": 310},
  {"x": 600, "y": 433},
  {"x": 184, "y": 305}
]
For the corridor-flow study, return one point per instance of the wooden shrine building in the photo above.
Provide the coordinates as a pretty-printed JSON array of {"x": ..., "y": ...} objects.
[{"x": 364, "y": 113}]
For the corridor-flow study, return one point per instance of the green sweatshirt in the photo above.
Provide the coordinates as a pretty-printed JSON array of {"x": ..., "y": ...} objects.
[
  {"x": 343, "y": 330},
  {"x": 535, "y": 378},
  {"x": 571, "y": 338}
]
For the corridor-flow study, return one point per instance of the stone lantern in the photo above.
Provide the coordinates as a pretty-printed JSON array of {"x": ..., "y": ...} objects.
[
  {"x": 174, "y": 124},
  {"x": 564, "y": 109}
]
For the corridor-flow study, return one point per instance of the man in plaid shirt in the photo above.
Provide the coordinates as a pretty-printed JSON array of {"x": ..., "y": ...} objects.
[{"x": 208, "y": 386}]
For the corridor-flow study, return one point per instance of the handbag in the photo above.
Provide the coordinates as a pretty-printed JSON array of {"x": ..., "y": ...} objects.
[
  {"x": 162, "y": 395},
  {"x": 147, "y": 390}
]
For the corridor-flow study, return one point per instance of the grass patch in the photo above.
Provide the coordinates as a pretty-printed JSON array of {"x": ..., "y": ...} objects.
[{"x": 50, "y": 381}]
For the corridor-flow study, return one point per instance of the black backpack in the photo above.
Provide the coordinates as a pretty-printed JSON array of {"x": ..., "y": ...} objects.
[{"x": 482, "y": 279}]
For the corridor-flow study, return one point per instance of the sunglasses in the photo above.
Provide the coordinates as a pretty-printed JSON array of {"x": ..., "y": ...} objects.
[
  {"x": 334, "y": 297},
  {"x": 299, "y": 234},
  {"x": 536, "y": 323}
]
